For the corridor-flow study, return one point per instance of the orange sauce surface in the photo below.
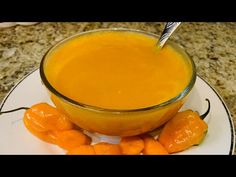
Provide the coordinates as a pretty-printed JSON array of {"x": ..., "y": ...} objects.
[{"x": 117, "y": 70}]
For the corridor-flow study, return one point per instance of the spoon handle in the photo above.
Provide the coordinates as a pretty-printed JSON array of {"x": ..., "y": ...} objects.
[{"x": 169, "y": 29}]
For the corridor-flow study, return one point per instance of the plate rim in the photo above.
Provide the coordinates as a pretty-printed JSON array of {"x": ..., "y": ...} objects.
[
  {"x": 232, "y": 129},
  {"x": 230, "y": 119}
]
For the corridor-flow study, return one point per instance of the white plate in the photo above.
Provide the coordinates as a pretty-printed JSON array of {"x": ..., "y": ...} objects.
[{"x": 16, "y": 139}]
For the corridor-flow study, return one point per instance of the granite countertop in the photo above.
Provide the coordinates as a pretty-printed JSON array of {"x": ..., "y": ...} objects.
[{"x": 211, "y": 45}]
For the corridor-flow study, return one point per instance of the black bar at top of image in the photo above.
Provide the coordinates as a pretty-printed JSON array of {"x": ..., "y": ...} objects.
[{"x": 118, "y": 11}]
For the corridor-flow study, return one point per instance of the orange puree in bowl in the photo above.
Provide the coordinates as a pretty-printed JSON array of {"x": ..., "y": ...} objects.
[{"x": 117, "y": 70}]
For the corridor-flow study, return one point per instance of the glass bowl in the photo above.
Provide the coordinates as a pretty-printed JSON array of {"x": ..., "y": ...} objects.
[{"x": 115, "y": 122}]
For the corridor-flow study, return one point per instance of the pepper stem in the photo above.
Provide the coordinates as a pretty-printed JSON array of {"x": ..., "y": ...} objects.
[
  {"x": 13, "y": 110},
  {"x": 203, "y": 116}
]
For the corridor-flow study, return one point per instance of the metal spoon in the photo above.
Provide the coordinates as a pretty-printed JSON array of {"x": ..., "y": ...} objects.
[{"x": 168, "y": 30}]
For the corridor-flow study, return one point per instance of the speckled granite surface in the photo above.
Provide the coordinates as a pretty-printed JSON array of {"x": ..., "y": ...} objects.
[{"x": 211, "y": 45}]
